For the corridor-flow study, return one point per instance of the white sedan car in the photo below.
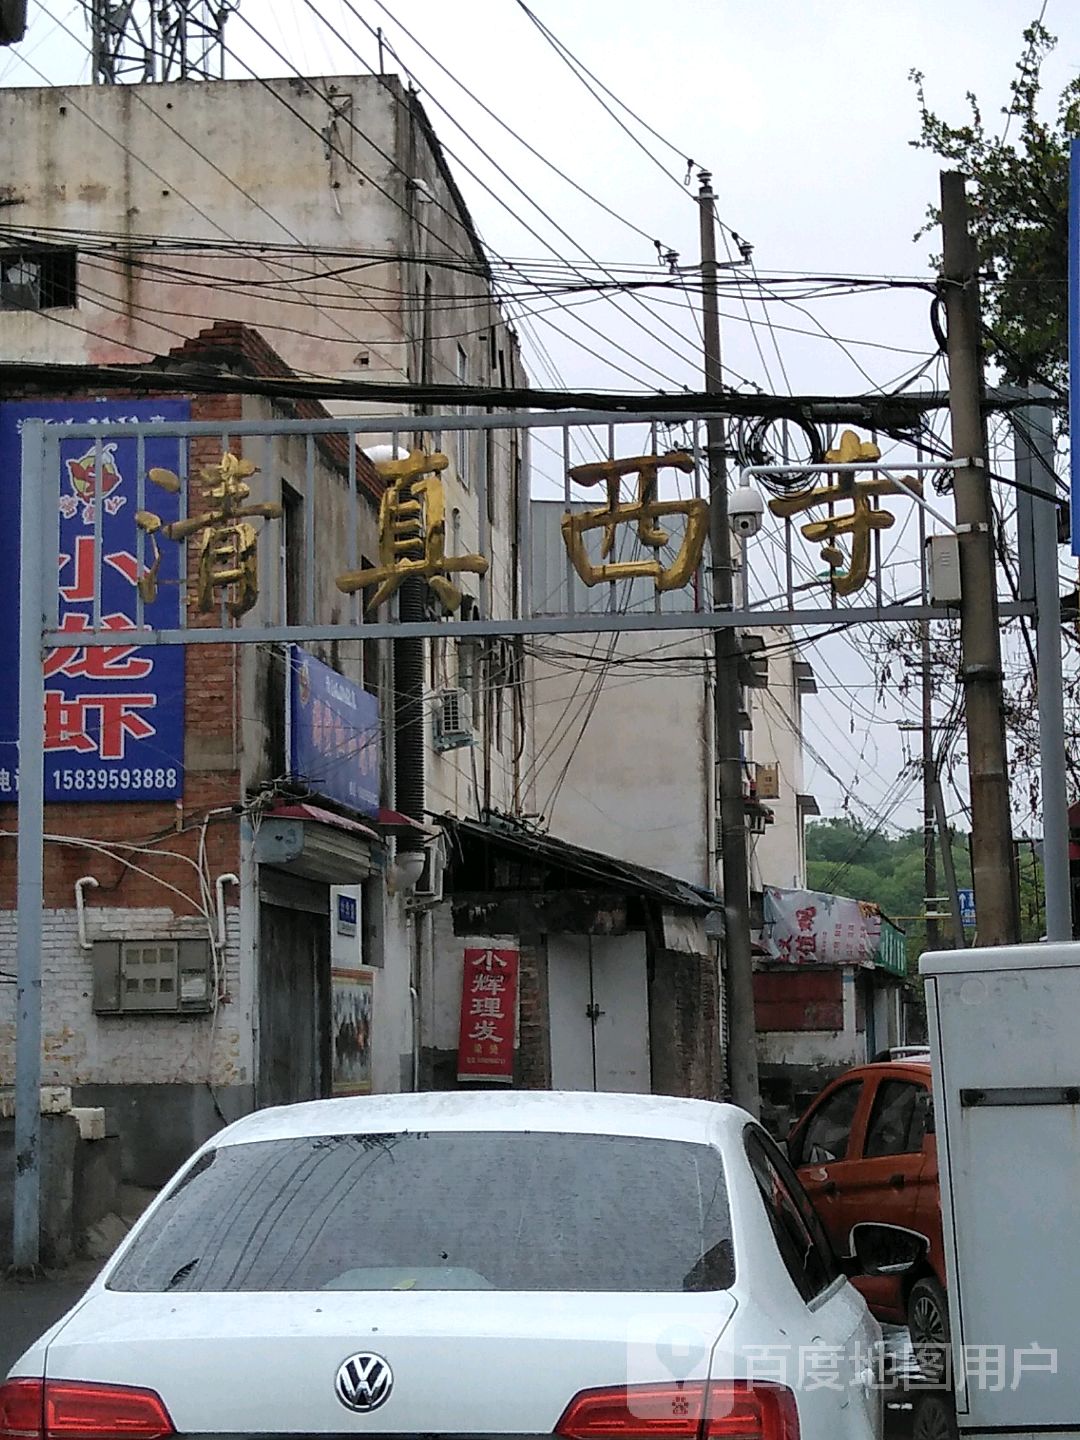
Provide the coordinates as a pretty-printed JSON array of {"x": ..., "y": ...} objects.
[{"x": 467, "y": 1264}]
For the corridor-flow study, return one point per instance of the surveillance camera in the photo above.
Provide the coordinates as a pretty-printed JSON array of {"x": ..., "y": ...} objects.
[{"x": 745, "y": 511}]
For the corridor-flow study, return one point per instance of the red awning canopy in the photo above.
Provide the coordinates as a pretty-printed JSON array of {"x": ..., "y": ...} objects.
[
  {"x": 393, "y": 820},
  {"x": 300, "y": 810}
]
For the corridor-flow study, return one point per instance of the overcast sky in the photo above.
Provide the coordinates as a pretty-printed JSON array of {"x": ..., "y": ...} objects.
[{"x": 801, "y": 109}]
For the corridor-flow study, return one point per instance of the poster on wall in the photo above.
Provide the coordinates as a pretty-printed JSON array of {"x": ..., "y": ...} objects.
[
  {"x": 350, "y": 1036},
  {"x": 489, "y": 999},
  {"x": 114, "y": 715}
]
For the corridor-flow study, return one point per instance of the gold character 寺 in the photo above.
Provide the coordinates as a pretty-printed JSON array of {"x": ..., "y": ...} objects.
[
  {"x": 860, "y": 523},
  {"x": 412, "y": 534},
  {"x": 643, "y": 510},
  {"x": 228, "y": 554}
]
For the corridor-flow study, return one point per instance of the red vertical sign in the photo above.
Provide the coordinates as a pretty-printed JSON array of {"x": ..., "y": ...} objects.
[{"x": 488, "y": 1015}]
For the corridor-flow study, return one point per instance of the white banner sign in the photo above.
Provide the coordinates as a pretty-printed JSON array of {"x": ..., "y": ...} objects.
[{"x": 807, "y": 927}]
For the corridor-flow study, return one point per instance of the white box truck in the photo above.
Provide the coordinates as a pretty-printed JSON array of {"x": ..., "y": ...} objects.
[{"x": 1004, "y": 1031}]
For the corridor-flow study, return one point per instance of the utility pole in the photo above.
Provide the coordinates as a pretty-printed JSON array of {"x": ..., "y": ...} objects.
[
  {"x": 742, "y": 1030},
  {"x": 1035, "y": 468},
  {"x": 929, "y": 777},
  {"x": 959, "y": 938},
  {"x": 993, "y": 863}
]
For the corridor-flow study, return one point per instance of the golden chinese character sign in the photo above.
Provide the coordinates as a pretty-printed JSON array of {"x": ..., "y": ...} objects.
[
  {"x": 228, "y": 564},
  {"x": 643, "y": 511},
  {"x": 412, "y": 534},
  {"x": 858, "y": 524}
]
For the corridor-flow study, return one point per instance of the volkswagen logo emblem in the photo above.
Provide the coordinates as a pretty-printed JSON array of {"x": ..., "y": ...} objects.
[{"x": 364, "y": 1382}]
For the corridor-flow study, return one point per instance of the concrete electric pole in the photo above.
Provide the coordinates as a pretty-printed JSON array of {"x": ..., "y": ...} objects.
[
  {"x": 929, "y": 766},
  {"x": 742, "y": 1030},
  {"x": 1034, "y": 450},
  {"x": 993, "y": 863}
]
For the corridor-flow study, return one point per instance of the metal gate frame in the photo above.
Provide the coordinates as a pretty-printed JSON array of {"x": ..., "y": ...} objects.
[{"x": 39, "y": 633}]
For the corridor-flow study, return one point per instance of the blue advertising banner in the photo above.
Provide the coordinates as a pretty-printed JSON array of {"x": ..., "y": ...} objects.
[
  {"x": 333, "y": 733},
  {"x": 114, "y": 715},
  {"x": 1074, "y": 344}
]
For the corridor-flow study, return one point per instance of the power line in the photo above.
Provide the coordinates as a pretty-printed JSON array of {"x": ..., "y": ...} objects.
[
  {"x": 581, "y": 189},
  {"x": 135, "y": 90},
  {"x": 578, "y": 68},
  {"x": 518, "y": 187},
  {"x": 393, "y": 163}
]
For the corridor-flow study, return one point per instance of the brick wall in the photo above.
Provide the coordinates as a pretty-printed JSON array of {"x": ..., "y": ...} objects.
[
  {"x": 684, "y": 1026},
  {"x": 83, "y": 1049},
  {"x": 151, "y": 893},
  {"x": 533, "y": 1067}
]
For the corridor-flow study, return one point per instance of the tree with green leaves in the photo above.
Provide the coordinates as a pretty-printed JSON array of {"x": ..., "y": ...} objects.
[
  {"x": 1019, "y": 200},
  {"x": 846, "y": 857}
]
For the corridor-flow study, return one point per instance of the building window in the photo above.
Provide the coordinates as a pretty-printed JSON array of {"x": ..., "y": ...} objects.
[
  {"x": 37, "y": 280},
  {"x": 461, "y": 437},
  {"x": 799, "y": 1236},
  {"x": 369, "y": 649},
  {"x": 292, "y": 554}
]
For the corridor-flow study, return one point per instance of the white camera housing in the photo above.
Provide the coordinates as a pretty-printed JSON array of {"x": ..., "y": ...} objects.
[{"x": 746, "y": 510}]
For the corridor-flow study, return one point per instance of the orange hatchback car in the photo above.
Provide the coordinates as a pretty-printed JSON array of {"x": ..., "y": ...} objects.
[{"x": 865, "y": 1151}]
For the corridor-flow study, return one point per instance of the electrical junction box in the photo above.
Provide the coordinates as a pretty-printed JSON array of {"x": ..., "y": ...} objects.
[
  {"x": 1006, "y": 1081},
  {"x": 152, "y": 977},
  {"x": 943, "y": 569},
  {"x": 768, "y": 782}
]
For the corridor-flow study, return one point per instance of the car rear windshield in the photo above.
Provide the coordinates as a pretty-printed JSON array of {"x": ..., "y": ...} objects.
[{"x": 441, "y": 1211}]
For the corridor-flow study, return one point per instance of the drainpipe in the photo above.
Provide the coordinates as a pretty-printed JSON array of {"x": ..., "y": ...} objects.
[
  {"x": 222, "y": 881},
  {"x": 80, "y": 908},
  {"x": 409, "y": 718}
]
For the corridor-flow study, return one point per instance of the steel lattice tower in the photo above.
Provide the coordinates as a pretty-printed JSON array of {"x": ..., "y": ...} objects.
[{"x": 138, "y": 41}]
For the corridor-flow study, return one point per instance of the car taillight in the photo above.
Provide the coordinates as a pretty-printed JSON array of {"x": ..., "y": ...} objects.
[
  {"x": 80, "y": 1410},
  {"x": 692, "y": 1410},
  {"x": 738, "y": 1408},
  {"x": 21, "y": 1410}
]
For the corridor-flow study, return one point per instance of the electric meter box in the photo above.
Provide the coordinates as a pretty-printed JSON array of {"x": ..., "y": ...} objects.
[{"x": 1004, "y": 1030}]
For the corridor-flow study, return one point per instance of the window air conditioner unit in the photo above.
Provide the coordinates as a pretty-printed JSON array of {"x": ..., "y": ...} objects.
[
  {"x": 453, "y": 729},
  {"x": 429, "y": 888}
]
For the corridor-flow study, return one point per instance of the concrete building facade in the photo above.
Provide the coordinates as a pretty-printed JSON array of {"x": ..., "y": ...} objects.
[{"x": 219, "y": 222}]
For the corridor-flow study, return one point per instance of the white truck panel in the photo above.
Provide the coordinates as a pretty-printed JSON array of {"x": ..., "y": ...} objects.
[{"x": 1005, "y": 1050}]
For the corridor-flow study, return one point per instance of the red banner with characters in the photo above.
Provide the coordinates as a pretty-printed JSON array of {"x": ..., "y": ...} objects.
[{"x": 488, "y": 1014}]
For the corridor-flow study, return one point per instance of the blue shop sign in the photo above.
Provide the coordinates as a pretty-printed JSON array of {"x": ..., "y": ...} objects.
[
  {"x": 114, "y": 715},
  {"x": 333, "y": 733}
]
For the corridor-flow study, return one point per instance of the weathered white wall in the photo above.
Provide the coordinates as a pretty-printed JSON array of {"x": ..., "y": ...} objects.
[
  {"x": 391, "y": 1008},
  {"x": 83, "y": 1049},
  {"x": 818, "y": 1047},
  {"x": 178, "y": 175},
  {"x": 625, "y": 750},
  {"x": 778, "y": 857},
  {"x": 215, "y": 164},
  {"x": 630, "y": 761}
]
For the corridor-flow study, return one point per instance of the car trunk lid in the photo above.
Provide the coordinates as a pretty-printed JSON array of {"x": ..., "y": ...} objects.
[{"x": 476, "y": 1362}]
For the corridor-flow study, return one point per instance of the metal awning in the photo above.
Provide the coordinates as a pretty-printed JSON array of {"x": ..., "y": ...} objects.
[
  {"x": 607, "y": 870},
  {"x": 316, "y": 844},
  {"x": 301, "y": 810}
]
